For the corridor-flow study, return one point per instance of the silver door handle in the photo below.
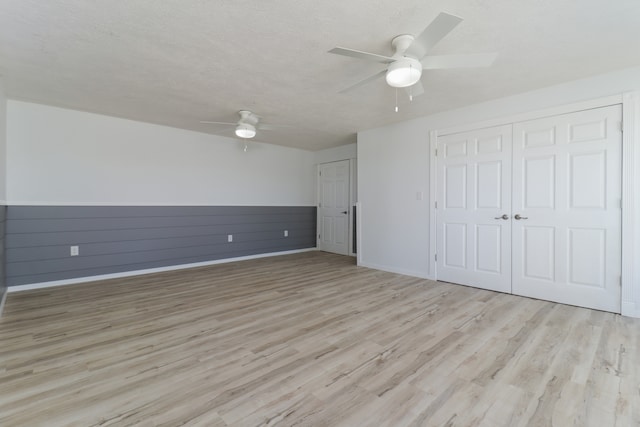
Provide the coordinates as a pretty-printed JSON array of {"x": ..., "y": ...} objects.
[
  {"x": 518, "y": 217},
  {"x": 345, "y": 212},
  {"x": 505, "y": 217}
]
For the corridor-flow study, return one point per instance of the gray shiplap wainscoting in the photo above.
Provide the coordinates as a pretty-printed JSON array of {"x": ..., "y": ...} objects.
[{"x": 115, "y": 239}]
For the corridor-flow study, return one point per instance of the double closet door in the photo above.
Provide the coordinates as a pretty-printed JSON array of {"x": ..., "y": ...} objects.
[{"x": 534, "y": 208}]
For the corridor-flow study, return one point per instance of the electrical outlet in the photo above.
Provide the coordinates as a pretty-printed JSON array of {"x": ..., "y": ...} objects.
[
  {"x": 230, "y": 238},
  {"x": 74, "y": 250},
  {"x": 286, "y": 233}
]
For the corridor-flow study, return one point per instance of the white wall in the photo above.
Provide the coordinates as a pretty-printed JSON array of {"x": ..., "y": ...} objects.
[
  {"x": 392, "y": 171},
  {"x": 393, "y": 164},
  {"x": 342, "y": 152},
  {"x": 3, "y": 143},
  {"x": 60, "y": 156},
  {"x": 3, "y": 196}
]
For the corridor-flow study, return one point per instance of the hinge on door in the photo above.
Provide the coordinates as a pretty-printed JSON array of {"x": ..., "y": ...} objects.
[
  {"x": 620, "y": 281},
  {"x": 319, "y": 205},
  {"x": 621, "y": 126},
  {"x": 436, "y": 152},
  {"x": 436, "y": 257},
  {"x": 320, "y": 173},
  {"x": 435, "y": 204}
]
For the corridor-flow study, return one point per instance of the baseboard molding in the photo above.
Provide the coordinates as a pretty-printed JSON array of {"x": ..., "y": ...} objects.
[
  {"x": 630, "y": 309},
  {"x": 77, "y": 280},
  {"x": 404, "y": 272}
]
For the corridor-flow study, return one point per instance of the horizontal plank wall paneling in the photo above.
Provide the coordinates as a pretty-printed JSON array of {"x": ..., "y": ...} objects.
[{"x": 114, "y": 239}]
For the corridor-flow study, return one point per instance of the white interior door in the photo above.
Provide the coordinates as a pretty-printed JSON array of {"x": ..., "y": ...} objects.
[
  {"x": 474, "y": 208},
  {"x": 567, "y": 192},
  {"x": 333, "y": 207}
]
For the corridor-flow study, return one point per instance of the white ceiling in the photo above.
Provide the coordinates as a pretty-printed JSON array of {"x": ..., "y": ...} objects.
[{"x": 176, "y": 62}]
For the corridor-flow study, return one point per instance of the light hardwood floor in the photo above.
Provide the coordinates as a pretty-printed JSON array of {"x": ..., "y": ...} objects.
[{"x": 310, "y": 340}]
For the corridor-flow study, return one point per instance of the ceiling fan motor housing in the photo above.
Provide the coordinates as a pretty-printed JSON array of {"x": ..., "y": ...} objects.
[
  {"x": 245, "y": 130},
  {"x": 404, "y": 72}
]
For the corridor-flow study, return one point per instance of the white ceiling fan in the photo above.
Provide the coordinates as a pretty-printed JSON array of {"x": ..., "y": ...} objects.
[
  {"x": 410, "y": 58},
  {"x": 248, "y": 124}
]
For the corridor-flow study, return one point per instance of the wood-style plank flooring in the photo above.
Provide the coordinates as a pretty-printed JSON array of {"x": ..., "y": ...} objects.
[{"x": 310, "y": 340}]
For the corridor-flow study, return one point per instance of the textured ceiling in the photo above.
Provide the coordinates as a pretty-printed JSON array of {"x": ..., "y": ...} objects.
[{"x": 176, "y": 62}]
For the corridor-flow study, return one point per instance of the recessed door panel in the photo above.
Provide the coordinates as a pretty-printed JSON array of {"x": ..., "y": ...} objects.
[
  {"x": 489, "y": 185},
  {"x": 588, "y": 131},
  {"x": 455, "y": 186},
  {"x": 588, "y": 180},
  {"x": 488, "y": 248},
  {"x": 327, "y": 229},
  {"x": 340, "y": 230},
  {"x": 489, "y": 145},
  {"x": 539, "y": 253},
  {"x": 538, "y": 137},
  {"x": 456, "y": 148},
  {"x": 329, "y": 194},
  {"x": 586, "y": 255},
  {"x": 539, "y": 182},
  {"x": 455, "y": 237}
]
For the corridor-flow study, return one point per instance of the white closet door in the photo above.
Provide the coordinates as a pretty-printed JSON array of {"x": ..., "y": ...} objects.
[
  {"x": 567, "y": 189},
  {"x": 473, "y": 216}
]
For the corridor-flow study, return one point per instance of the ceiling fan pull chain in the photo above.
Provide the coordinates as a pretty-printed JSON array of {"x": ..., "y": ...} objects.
[{"x": 396, "y": 100}]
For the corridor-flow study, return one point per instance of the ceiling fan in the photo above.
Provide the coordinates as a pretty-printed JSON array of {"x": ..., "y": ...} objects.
[
  {"x": 247, "y": 125},
  {"x": 410, "y": 57}
]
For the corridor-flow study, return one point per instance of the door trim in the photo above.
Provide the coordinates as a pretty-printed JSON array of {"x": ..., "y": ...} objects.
[
  {"x": 630, "y": 276},
  {"x": 630, "y": 279}
]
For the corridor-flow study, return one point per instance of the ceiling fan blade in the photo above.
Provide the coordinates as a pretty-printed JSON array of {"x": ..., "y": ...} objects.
[
  {"x": 269, "y": 126},
  {"x": 364, "y": 82},
  {"x": 361, "y": 55},
  {"x": 473, "y": 60},
  {"x": 435, "y": 31},
  {"x": 218, "y": 123},
  {"x": 415, "y": 90}
]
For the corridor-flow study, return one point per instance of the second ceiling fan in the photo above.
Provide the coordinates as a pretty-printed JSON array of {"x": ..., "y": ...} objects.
[{"x": 410, "y": 57}]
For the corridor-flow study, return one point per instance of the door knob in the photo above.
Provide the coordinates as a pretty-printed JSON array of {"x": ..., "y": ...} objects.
[
  {"x": 345, "y": 212},
  {"x": 505, "y": 216},
  {"x": 518, "y": 217}
]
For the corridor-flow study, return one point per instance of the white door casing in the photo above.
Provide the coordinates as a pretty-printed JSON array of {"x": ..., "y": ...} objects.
[
  {"x": 473, "y": 217},
  {"x": 333, "y": 207},
  {"x": 567, "y": 190}
]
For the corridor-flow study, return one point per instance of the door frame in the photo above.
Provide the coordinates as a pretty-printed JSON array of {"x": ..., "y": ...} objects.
[
  {"x": 630, "y": 101},
  {"x": 351, "y": 203}
]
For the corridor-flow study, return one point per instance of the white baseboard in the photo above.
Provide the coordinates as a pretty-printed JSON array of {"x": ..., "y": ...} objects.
[
  {"x": 630, "y": 309},
  {"x": 411, "y": 273},
  {"x": 42, "y": 285}
]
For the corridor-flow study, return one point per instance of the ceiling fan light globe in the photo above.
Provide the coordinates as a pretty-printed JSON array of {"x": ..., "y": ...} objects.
[
  {"x": 245, "y": 131},
  {"x": 404, "y": 72}
]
